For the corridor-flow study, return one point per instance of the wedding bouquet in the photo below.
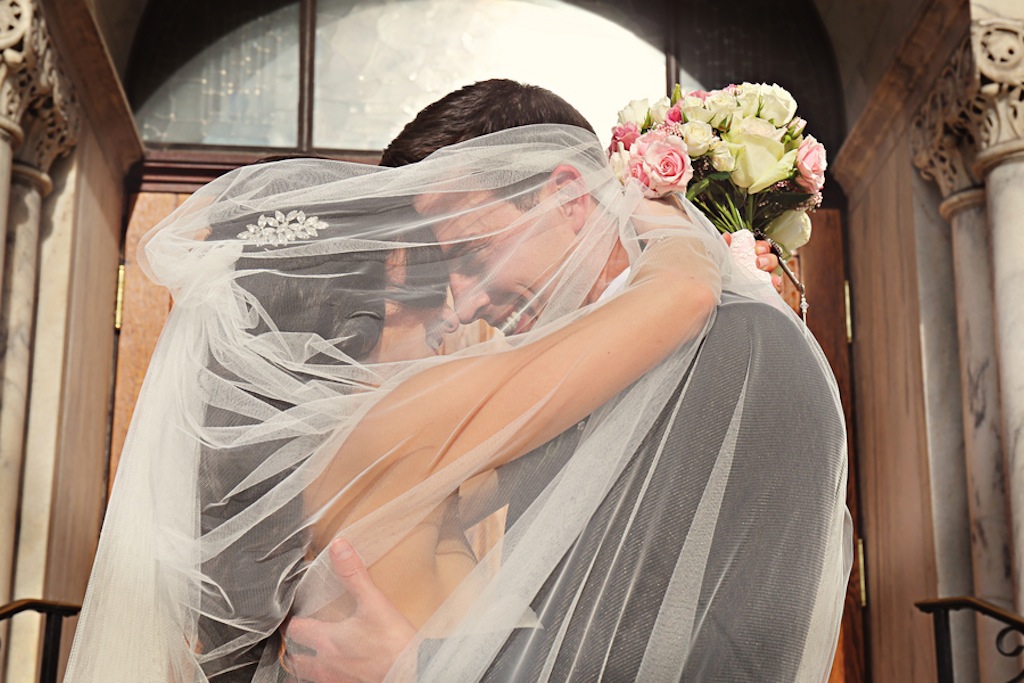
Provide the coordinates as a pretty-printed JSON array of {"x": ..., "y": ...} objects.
[{"x": 739, "y": 153}]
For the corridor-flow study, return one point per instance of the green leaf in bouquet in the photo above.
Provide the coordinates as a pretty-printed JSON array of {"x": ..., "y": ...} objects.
[{"x": 677, "y": 93}]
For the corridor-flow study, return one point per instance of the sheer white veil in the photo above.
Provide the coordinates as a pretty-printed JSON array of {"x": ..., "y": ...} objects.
[{"x": 693, "y": 527}]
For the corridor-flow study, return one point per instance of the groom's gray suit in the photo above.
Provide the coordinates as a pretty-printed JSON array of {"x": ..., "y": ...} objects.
[{"x": 787, "y": 472}]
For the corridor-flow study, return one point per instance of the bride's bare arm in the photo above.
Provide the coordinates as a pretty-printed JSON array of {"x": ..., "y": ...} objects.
[{"x": 445, "y": 412}]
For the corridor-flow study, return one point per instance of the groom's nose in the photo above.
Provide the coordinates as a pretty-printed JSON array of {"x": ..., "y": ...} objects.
[{"x": 469, "y": 298}]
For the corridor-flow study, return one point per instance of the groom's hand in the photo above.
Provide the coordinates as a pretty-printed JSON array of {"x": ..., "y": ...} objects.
[
  {"x": 766, "y": 259},
  {"x": 361, "y": 648}
]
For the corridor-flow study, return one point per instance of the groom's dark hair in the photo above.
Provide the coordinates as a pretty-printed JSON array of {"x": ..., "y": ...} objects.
[{"x": 475, "y": 110}]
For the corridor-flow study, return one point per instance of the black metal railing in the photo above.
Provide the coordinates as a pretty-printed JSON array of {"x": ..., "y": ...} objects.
[
  {"x": 55, "y": 613},
  {"x": 940, "y": 609}
]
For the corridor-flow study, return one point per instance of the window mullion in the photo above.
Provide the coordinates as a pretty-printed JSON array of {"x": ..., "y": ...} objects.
[{"x": 307, "y": 54}]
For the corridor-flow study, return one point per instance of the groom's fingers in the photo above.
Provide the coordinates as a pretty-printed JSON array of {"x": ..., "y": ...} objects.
[{"x": 351, "y": 572}]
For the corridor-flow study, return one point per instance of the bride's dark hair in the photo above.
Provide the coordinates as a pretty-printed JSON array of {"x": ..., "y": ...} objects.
[{"x": 338, "y": 297}]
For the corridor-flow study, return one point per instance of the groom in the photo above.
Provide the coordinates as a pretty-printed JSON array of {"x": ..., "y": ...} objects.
[{"x": 788, "y": 457}]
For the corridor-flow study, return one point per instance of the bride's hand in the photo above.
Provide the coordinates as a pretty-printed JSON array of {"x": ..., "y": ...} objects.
[
  {"x": 766, "y": 259},
  {"x": 359, "y": 649}
]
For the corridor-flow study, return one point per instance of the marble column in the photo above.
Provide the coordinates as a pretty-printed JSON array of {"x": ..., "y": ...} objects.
[
  {"x": 994, "y": 119},
  {"x": 943, "y": 152},
  {"x": 1005, "y": 182}
]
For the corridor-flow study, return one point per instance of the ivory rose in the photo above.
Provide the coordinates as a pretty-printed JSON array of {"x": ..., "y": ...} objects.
[
  {"x": 760, "y": 161},
  {"x": 755, "y": 125},
  {"x": 811, "y": 165},
  {"x": 722, "y": 106},
  {"x": 777, "y": 105},
  {"x": 721, "y": 157},
  {"x": 693, "y": 109},
  {"x": 791, "y": 230},
  {"x": 698, "y": 137},
  {"x": 618, "y": 159},
  {"x": 635, "y": 112},
  {"x": 659, "y": 109},
  {"x": 748, "y": 96}
]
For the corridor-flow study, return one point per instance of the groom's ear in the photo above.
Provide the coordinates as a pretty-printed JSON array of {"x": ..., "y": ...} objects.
[{"x": 577, "y": 204}]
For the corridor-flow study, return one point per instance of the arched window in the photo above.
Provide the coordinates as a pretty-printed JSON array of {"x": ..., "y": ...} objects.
[
  {"x": 347, "y": 75},
  {"x": 227, "y": 81}
]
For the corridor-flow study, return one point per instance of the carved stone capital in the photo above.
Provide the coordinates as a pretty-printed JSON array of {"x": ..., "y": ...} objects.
[
  {"x": 995, "y": 111},
  {"x": 38, "y": 112},
  {"x": 17, "y": 21},
  {"x": 941, "y": 144},
  {"x": 49, "y": 112},
  {"x": 51, "y": 122},
  {"x": 974, "y": 116}
]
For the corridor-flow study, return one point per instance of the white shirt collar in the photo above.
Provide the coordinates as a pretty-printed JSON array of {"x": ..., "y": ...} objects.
[{"x": 615, "y": 286}]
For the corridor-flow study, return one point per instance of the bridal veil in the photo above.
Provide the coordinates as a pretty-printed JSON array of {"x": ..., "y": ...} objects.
[{"x": 691, "y": 528}]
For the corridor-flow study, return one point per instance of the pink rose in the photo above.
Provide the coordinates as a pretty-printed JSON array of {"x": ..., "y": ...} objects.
[
  {"x": 627, "y": 134},
  {"x": 641, "y": 144},
  {"x": 699, "y": 94},
  {"x": 811, "y": 165},
  {"x": 731, "y": 88},
  {"x": 669, "y": 165},
  {"x": 675, "y": 114},
  {"x": 637, "y": 169}
]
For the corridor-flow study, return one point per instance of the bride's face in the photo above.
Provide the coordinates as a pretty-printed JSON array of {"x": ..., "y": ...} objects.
[
  {"x": 415, "y": 320},
  {"x": 411, "y": 332}
]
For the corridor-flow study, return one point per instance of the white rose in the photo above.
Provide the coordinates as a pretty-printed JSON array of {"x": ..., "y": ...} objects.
[
  {"x": 721, "y": 157},
  {"x": 698, "y": 137},
  {"x": 694, "y": 110},
  {"x": 755, "y": 125},
  {"x": 749, "y": 99},
  {"x": 760, "y": 161},
  {"x": 777, "y": 105},
  {"x": 634, "y": 112},
  {"x": 722, "y": 106},
  {"x": 619, "y": 161},
  {"x": 659, "y": 109},
  {"x": 791, "y": 230}
]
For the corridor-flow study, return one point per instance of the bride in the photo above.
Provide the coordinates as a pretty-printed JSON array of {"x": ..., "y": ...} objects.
[{"x": 295, "y": 397}]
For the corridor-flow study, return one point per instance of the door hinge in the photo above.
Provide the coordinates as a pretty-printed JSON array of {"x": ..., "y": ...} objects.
[
  {"x": 119, "y": 301},
  {"x": 849, "y": 317},
  {"x": 862, "y": 573}
]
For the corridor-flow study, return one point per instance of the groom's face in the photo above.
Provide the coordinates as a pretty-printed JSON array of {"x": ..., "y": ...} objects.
[{"x": 501, "y": 261}]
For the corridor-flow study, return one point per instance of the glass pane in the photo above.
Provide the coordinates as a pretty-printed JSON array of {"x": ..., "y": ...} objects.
[
  {"x": 242, "y": 89},
  {"x": 380, "y": 62}
]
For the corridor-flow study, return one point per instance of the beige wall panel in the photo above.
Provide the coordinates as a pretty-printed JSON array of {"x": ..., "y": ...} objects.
[
  {"x": 82, "y": 458},
  {"x": 891, "y": 440}
]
